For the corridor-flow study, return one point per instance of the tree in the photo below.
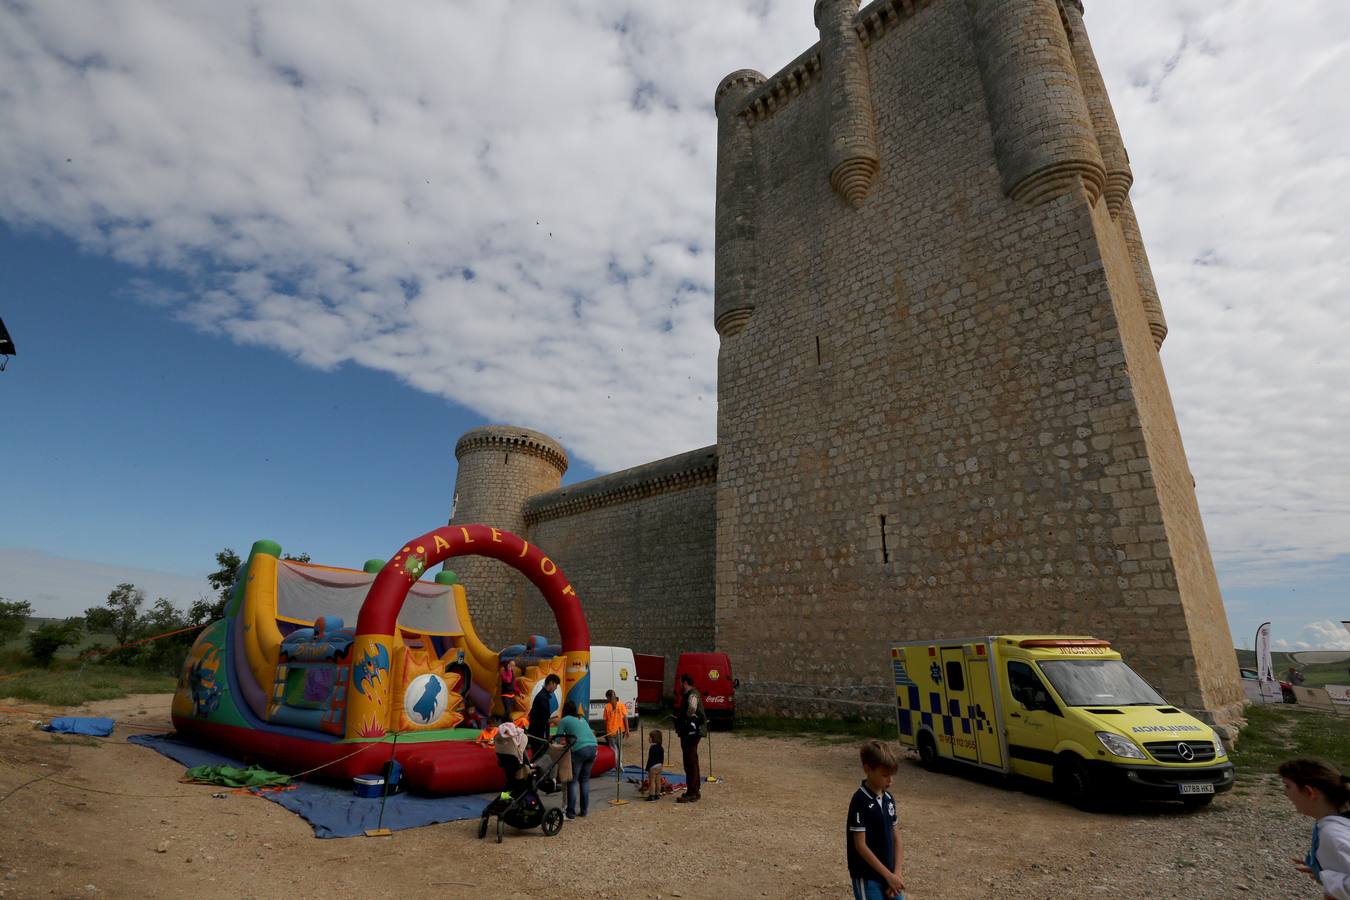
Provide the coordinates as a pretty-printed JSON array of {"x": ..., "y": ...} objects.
[
  {"x": 165, "y": 654},
  {"x": 13, "y": 616},
  {"x": 209, "y": 609},
  {"x": 121, "y": 616},
  {"x": 46, "y": 640}
]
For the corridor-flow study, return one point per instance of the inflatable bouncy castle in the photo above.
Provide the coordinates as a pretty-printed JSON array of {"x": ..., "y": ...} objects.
[{"x": 341, "y": 671}]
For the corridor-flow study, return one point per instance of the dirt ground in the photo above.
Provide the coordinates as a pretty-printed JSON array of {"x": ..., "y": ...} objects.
[{"x": 773, "y": 827}]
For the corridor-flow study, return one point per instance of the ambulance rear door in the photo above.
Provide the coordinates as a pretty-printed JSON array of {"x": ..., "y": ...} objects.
[{"x": 956, "y": 736}]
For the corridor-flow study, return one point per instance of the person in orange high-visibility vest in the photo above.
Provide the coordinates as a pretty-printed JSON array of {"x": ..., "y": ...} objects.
[{"x": 616, "y": 721}]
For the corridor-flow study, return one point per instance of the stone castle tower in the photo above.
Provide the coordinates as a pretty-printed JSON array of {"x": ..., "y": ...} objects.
[
  {"x": 498, "y": 469},
  {"x": 941, "y": 407}
]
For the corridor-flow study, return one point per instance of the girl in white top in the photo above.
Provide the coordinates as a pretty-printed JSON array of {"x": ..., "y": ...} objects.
[{"x": 1317, "y": 790}]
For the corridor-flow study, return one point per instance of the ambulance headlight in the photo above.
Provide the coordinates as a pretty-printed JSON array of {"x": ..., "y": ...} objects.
[
  {"x": 1120, "y": 746},
  {"x": 1219, "y": 751}
]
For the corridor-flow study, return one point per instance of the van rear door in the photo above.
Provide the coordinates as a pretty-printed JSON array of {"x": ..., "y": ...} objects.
[{"x": 602, "y": 679}]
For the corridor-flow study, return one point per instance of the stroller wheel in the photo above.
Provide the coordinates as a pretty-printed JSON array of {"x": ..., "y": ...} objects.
[
  {"x": 553, "y": 822},
  {"x": 482, "y": 827}
]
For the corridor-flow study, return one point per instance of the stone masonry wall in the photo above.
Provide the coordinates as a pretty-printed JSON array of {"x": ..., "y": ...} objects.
[
  {"x": 941, "y": 412},
  {"x": 638, "y": 548}
]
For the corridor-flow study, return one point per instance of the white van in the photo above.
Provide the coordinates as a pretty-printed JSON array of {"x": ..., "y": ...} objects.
[{"x": 613, "y": 669}]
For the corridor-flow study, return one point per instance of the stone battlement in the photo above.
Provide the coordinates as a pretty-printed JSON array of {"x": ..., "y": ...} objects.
[
  {"x": 510, "y": 439},
  {"x": 871, "y": 23},
  {"x": 675, "y": 473}
]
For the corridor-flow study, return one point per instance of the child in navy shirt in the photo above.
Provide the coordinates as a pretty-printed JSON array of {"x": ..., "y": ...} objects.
[
  {"x": 656, "y": 760},
  {"x": 875, "y": 854}
]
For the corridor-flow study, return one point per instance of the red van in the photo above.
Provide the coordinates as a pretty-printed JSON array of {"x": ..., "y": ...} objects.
[
  {"x": 651, "y": 676},
  {"x": 713, "y": 678}
]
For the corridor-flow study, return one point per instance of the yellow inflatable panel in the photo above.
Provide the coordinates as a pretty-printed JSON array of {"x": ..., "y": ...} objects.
[
  {"x": 262, "y": 638},
  {"x": 482, "y": 660}
]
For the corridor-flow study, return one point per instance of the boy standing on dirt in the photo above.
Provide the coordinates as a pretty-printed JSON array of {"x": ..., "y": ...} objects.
[{"x": 875, "y": 854}]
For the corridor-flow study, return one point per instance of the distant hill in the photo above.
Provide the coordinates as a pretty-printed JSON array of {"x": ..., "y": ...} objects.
[{"x": 1315, "y": 674}]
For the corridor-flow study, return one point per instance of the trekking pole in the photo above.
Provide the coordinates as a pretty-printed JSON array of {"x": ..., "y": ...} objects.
[
  {"x": 379, "y": 830},
  {"x": 618, "y": 775},
  {"x": 711, "y": 777}
]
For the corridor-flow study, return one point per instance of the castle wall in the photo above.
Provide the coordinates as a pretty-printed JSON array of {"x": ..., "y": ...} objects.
[
  {"x": 941, "y": 411},
  {"x": 638, "y": 548}
]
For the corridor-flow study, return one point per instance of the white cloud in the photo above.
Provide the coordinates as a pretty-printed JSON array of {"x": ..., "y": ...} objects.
[
  {"x": 1236, "y": 117},
  {"x": 1324, "y": 635},
  {"x": 512, "y": 207},
  {"x": 509, "y": 207}
]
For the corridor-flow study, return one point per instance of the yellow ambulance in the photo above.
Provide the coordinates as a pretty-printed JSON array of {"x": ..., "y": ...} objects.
[{"x": 1060, "y": 709}]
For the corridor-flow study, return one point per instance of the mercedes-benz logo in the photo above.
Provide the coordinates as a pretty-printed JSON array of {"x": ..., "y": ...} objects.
[{"x": 1185, "y": 752}]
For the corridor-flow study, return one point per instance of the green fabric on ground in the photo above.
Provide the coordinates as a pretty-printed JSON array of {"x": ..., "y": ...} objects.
[{"x": 229, "y": 776}]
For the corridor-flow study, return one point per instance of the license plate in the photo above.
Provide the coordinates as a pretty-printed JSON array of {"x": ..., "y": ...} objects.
[{"x": 1198, "y": 788}]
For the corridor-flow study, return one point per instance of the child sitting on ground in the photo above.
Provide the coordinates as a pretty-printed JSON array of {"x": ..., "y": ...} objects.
[
  {"x": 656, "y": 760},
  {"x": 875, "y": 854}
]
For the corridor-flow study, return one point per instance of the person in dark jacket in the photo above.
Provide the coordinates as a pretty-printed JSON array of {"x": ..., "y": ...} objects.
[
  {"x": 542, "y": 715},
  {"x": 690, "y": 724}
]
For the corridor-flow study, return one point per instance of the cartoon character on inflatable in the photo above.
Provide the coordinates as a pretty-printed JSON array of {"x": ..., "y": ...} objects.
[{"x": 282, "y": 680}]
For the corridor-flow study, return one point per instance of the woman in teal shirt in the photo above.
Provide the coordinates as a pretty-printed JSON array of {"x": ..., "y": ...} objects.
[{"x": 576, "y": 728}]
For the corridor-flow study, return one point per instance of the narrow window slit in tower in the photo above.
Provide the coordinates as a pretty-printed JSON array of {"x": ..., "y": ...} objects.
[
  {"x": 507, "y": 460},
  {"x": 817, "y": 349},
  {"x": 885, "y": 552}
]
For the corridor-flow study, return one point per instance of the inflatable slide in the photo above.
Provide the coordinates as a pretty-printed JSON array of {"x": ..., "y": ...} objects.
[{"x": 341, "y": 671}]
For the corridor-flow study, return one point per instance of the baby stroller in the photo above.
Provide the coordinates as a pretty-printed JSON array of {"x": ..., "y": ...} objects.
[{"x": 531, "y": 798}]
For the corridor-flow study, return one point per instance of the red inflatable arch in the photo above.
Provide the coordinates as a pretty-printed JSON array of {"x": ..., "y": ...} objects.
[{"x": 380, "y": 611}]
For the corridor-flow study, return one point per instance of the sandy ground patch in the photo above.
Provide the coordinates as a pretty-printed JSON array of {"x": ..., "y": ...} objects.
[{"x": 111, "y": 819}]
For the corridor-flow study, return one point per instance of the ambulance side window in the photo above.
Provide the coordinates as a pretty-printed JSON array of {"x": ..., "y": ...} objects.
[
  {"x": 1027, "y": 689},
  {"x": 956, "y": 679}
]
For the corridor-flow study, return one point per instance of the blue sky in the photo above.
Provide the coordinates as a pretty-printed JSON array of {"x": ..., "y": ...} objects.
[
  {"x": 136, "y": 440},
  {"x": 262, "y": 274}
]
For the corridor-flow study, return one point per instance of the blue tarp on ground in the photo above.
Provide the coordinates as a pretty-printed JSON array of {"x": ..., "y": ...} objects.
[
  {"x": 636, "y": 775},
  {"x": 334, "y": 811},
  {"x": 94, "y": 725}
]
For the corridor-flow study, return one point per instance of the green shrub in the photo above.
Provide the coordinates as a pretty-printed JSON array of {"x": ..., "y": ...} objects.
[{"x": 47, "y": 639}]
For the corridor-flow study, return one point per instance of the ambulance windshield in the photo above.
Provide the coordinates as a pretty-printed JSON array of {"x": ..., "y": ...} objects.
[{"x": 1099, "y": 682}]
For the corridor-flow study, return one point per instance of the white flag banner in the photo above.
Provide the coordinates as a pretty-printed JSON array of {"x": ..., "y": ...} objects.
[{"x": 1264, "y": 666}]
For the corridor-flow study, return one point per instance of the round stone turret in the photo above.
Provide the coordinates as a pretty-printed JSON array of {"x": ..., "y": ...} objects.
[
  {"x": 852, "y": 145},
  {"x": 499, "y": 468},
  {"x": 734, "y": 264},
  {"x": 1043, "y": 133},
  {"x": 1117, "y": 162}
]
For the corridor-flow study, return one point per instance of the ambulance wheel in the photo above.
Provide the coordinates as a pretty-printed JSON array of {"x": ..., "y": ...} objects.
[
  {"x": 553, "y": 822},
  {"x": 1198, "y": 801},
  {"x": 928, "y": 754},
  {"x": 1075, "y": 784},
  {"x": 482, "y": 827}
]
